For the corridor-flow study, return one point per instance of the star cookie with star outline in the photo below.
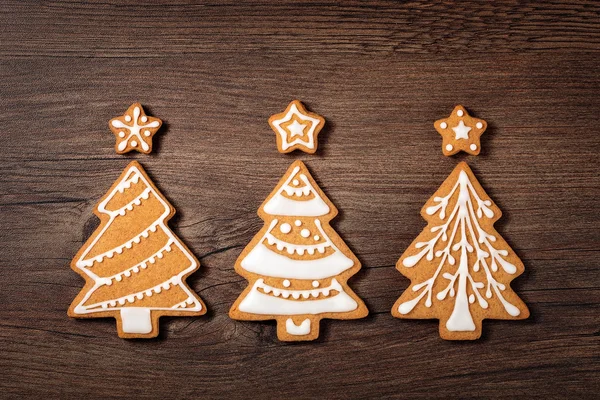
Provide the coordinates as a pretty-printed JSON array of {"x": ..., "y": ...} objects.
[
  {"x": 460, "y": 132},
  {"x": 296, "y": 129},
  {"x": 134, "y": 130}
]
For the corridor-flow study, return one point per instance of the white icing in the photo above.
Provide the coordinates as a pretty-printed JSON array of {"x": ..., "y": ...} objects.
[
  {"x": 449, "y": 147},
  {"x": 297, "y": 330},
  {"x": 473, "y": 147},
  {"x": 285, "y": 228},
  {"x": 461, "y": 130},
  {"x": 277, "y": 302},
  {"x": 315, "y": 284},
  {"x": 479, "y": 125},
  {"x": 468, "y": 210},
  {"x": 307, "y": 140},
  {"x": 184, "y": 304},
  {"x": 298, "y": 222},
  {"x": 305, "y": 233},
  {"x": 460, "y": 113},
  {"x": 136, "y": 320},
  {"x": 280, "y": 205},
  {"x": 286, "y": 283},
  {"x": 443, "y": 125},
  {"x": 296, "y": 182},
  {"x": 134, "y": 129},
  {"x": 296, "y": 128},
  {"x": 263, "y": 261},
  {"x": 316, "y": 237},
  {"x": 133, "y": 176}
]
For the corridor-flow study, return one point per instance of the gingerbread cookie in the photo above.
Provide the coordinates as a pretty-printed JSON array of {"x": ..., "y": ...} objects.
[
  {"x": 133, "y": 265},
  {"x": 296, "y": 128},
  {"x": 134, "y": 130},
  {"x": 460, "y": 268},
  {"x": 297, "y": 265},
  {"x": 460, "y": 132}
]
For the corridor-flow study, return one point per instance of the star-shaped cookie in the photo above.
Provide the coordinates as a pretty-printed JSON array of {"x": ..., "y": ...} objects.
[
  {"x": 460, "y": 132},
  {"x": 134, "y": 130},
  {"x": 296, "y": 128}
]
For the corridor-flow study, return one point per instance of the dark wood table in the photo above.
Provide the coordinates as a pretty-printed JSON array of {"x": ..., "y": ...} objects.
[{"x": 380, "y": 73}]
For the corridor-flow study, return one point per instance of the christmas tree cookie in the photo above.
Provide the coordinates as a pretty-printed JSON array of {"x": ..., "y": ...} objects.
[
  {"x": 459, "y": 266},
  {"x": 133, "y": 264},
  {"x": 297, "y": 265}
]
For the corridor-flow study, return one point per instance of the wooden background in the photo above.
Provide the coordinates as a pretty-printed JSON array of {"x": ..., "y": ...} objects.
[{"x": 380, "y": 73}]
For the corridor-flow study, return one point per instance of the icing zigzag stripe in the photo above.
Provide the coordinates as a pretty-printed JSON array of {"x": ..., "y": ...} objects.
[
  {"x": 135, "y": 202},
  {"x": 119, "y": 249},
  {"x": 298, "y": 248},
  {"x": 174, "y": 281},
  {"x": 136, "y": 268}
]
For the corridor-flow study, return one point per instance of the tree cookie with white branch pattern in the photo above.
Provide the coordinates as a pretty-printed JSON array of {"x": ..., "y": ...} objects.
[
  {"x": 460, "y": 268},
  {"x": 134, "y": 266},
  {"x": 297, "y": 265},
  {"x": 134, "y": 130}
]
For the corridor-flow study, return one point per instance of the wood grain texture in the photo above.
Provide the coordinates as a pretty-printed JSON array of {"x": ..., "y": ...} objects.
[{"x": 380, "y": 73}]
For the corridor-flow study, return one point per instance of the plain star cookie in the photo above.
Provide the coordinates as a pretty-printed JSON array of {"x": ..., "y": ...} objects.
[
  {"x": 297, "y": 265},
  {"x": 134, "y": 266},
  {"x": 296, "y": 128},
  {"x": 460, "y": 132},
  {"x": 134, "y": 130},
  {"x": 460, "y": 268}
]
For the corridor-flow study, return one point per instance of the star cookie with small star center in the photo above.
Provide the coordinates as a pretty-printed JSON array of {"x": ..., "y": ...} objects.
[
  {"x": 296, "y": 128},
  {"x": 460, "y": 132},
  {"x": 134, "y": 130}
]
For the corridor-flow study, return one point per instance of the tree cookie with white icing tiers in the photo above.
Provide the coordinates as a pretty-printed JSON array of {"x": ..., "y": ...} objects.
[
  {"x": 297, "y": 265},
  {"x": 460, "y": 268},
  {"x": 134, "y": 266},
  {"x": 296, "y": 129}
]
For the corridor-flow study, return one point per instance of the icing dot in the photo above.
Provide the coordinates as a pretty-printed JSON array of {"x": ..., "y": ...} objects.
[
  {"x": 315, "y": 284},
  {"x": 133, "y": 143},
  {"x": 128, "y": 118},
  {"x": 479, "y": 125},
  {"x": 443, "y": 125},
  {"x": 295, "y": 182},
  {"x": 305, "y": 233},
  {"x": 317, "y": 237},
  {"x": 285, "y": 228},
  {"x": 121, "y": 134},
  {"x": 460, "y": 113},
  {"x": 449, "y": 147},
  {"x": 298, "y": 222},
  {"x": 144, "y": 119},
  {"x": 473, "y": 147},
  {"x": 147, "y": 133},
  {"x": 286, "y": 283}
]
